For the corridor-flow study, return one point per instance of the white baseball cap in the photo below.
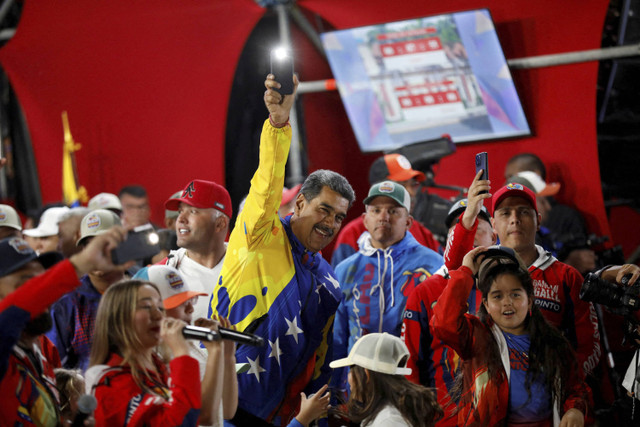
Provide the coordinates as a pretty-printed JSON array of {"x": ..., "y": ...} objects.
[
  {"x": 48, "y": 225},
  {"x": 9, "y": 217},
  {"x": 105, "y": 201},
  {"x": 384, "y": 353},
  {"x": 174, "y": 290},
  {"x": 97, "y": 222}
]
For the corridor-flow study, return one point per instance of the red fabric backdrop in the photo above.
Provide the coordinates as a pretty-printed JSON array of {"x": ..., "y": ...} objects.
[{"x": 146, "y": 85}]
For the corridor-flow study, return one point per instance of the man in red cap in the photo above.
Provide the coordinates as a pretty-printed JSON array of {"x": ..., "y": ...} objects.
[
  {"x": 390, "y": 167},
  {"x": 204, "y": 211},
  {"x": 557, "y": 285}
]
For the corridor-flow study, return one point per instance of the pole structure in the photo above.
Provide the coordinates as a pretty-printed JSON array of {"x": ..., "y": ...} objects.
[
  {"x": 520, "y": 63},
  {"x": 295, "y": 158}
]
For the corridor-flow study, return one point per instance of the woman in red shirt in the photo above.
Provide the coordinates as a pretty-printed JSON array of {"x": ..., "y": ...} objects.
[{"x": 128, "y": 378}]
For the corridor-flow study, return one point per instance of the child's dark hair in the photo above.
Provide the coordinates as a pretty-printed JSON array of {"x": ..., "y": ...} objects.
[
  {"x": 417, "y": 404},
  {"x": 551, "y": 357}
]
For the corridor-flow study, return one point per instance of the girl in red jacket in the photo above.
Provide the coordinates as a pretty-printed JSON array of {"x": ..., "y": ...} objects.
[
  {"x": 517, "y": 369},
  {"x": 130, "y": 381}
]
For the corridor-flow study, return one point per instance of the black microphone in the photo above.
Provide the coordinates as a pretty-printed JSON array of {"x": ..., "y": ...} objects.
[
  {"x": 86, "y": 405},
  {"x": 201, "y": 334},
  {"x": 241, "y": 337}
]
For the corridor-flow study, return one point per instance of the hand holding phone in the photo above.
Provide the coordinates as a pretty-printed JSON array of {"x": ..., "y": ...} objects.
[
  {"x": 282, "y": 69},
  {"x": 141, "y": 243},
  {"x": 482, "y": 163}
]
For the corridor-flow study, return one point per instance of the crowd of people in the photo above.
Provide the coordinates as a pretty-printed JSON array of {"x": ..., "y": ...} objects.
[{"x": 396, "y": 331}]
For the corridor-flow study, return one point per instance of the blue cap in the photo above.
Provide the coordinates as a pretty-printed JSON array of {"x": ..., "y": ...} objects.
[{"x": 15, "y": 253}]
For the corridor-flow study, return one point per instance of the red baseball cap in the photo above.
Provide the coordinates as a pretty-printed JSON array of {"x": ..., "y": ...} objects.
[
  {"x": 394, "y": 167},
  {"x": 204, "y": 195},
  {"x": 513, "y": 190}
]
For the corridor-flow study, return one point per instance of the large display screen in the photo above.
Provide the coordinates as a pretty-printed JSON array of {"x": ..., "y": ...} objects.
[{"x": 411, "y": 81}]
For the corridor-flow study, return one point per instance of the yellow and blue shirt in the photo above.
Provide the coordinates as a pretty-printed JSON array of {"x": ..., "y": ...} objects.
[{"x": 270, "y": 285}]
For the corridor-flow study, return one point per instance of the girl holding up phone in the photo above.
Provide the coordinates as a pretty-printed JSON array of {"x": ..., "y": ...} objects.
[{"x": 517, "y": 369}]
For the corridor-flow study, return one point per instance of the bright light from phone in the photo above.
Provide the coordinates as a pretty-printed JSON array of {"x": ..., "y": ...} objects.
[
  {"x": 153, "y": 238},
  {"x": 280, "y": 53}
]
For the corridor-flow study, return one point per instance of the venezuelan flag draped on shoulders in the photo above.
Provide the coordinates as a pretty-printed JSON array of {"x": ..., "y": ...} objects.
[{"x": 272, "y": 286}]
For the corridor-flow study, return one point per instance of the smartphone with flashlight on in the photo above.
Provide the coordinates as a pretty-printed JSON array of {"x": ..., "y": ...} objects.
[
  {"x": 141, "y": 243},
  {"x": 282, "y": 69},
  {"x": 482, "y": 163}
]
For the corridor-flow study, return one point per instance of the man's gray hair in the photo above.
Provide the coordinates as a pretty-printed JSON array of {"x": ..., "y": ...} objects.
[{"x": 312, "y": 186}]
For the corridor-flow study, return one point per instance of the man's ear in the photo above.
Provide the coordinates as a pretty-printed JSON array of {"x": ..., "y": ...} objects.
[
  {"x": 222, "y": 223},
  {"x": 539, "y": 217},
  {"x": 494, "y": 237},
  {"x": 300, "y": 202},
  {"x": 409, "y": 222}
]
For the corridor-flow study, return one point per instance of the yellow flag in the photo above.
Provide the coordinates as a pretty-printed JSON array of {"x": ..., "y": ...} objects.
[{"x": 73, "y": 194}]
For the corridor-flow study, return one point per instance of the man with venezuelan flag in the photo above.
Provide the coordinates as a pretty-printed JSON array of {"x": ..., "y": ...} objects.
[{"x": 275, "y": 283}]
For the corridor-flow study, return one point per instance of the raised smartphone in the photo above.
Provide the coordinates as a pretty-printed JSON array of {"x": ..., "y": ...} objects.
[
  {"x": 482, "y": 163},
  {"x": 140, "y": 244},
  {"x": 282, "y": 69}
]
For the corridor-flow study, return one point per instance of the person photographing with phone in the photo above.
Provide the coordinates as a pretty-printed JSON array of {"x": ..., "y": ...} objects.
[
  {"x": 27, "y": 357},
  {"x": 74, "y": 314},
  {"x": 274, "y": 282}
]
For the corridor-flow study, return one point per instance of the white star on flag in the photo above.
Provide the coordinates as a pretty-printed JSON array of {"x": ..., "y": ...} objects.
[
  {"x": 293, "y": 328},
  {"x": 333, "y": 280},
  {"x": 255, "y": 367},
  {"x": 275, "y": 350}
]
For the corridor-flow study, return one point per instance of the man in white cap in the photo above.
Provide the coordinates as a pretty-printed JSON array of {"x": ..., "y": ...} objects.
[
  {"x": 74, "y": 314},
  {"x": 106, "y": 201},
  {"x": 69, "y": 230},
  {"x": 219, "y": 395},
  {"x": 44, "y": 238},
  {"x": 10, "y": 224}
]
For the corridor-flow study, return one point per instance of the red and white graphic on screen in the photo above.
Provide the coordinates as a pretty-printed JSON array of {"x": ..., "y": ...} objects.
[
  {"x": 411, "y": 47},
  {"x": 428, "y": 94}
]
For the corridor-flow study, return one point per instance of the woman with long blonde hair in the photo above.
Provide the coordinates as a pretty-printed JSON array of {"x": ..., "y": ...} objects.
[{"x": 130, "y": 381}]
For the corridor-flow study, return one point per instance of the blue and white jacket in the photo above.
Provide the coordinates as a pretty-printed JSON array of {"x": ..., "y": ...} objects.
[{"x": 375, "y": 286}]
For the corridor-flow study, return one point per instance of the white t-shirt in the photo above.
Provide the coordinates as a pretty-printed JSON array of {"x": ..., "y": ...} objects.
[
  {"x": 201, "y": 354},
  {"x": 631, "y": 373},
  {"x": 199, "y": 277},
  {"x": 389, "y": 416}
]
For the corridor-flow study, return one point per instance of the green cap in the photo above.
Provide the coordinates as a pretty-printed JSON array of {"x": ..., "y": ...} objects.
[{"x": 392, "y": 190}]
